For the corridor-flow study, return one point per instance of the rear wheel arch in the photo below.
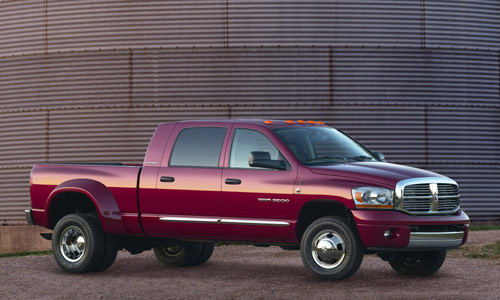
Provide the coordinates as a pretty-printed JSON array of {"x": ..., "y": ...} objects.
[
  {"x": 68, "y": 202},
  {"x": 84, "y": 196}
]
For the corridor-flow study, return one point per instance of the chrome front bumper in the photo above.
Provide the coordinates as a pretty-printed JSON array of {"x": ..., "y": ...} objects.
[{"x": 435, "y": 239}]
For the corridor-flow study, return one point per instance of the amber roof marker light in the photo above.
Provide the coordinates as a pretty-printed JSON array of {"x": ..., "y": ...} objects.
[
  {"x": 289, "y": 122},
  {"x": 268, "y": 122},
  {"x": 301, "y": 122},
  {"x": 320, "y": 123}
]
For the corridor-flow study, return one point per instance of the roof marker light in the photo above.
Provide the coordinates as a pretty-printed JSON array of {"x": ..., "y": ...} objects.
[
  {"x": 311, "y": 122},
  {"x": 268, "y": 122},
  {"x": 301, "y": 122},
  {"x": 320, "y": 123},
  {"x": 289, "y": 122}
]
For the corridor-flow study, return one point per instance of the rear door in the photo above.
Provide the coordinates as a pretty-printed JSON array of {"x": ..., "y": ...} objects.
[{"x": 188, "y": 192}]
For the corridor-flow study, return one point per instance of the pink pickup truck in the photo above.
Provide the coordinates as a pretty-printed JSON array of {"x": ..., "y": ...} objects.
[{"x": 295, "y": 184}]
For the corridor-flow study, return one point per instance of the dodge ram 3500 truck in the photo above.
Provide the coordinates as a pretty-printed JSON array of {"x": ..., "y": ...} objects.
[{"x": 295, "y": 184}]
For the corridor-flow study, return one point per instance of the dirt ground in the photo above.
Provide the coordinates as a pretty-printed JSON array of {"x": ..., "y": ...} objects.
[{"x": 247, "y": 272}]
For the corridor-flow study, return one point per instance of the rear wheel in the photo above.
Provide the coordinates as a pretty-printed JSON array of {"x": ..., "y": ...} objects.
[
  {"x": 206, "y": 252},
  {"x": 181, "y": 255},
  {"x": 109, "y": 255},
  {"x": 331, "y": 249},
  {"x": 78, "y": 243},
  {"x": 418, "y": 264}
]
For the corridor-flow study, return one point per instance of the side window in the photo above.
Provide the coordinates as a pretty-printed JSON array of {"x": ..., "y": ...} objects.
[
  {"x": 198, "y": 147},
  {"x": 246, "y": 141}
]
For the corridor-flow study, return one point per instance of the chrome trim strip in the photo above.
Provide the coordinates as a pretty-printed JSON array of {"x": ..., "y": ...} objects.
[
  {"x": 181, "y": 219},
  {"x": 435, "y": 239},
  {"x": 254, "y": 222},
  {"x": 190, "y": 219}
]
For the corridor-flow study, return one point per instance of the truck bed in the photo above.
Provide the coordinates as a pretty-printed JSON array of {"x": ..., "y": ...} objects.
[{"x": 120, "y": 180}]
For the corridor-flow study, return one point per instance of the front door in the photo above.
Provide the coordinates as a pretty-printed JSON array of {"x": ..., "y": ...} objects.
[{"x": 256, "y": 202}]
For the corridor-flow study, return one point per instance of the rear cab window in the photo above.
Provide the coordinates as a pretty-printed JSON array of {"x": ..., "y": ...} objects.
[{"x": 198, "y": 147}]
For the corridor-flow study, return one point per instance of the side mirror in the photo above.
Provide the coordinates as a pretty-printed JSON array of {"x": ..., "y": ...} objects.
[
  {"x": 379, "y": 155},
  {"x": 262, "y": 159}
]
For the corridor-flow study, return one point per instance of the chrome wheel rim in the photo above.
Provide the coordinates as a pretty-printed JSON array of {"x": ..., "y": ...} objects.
[
  {"x": 72, "y": 244},
  {"x": 328, "y": 249},
  {"x": 173, "y": 250}
]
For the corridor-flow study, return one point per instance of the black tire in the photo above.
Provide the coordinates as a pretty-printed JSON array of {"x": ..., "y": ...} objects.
[
  {"x": 207, "y": 249},
  {"x": 178, "y": 255},
  {"x": 78, "y": 243},
  {"x": 109, "y": 255},
  {"x": 331, "y": 249},
  {"x": 419, "y": 264}
]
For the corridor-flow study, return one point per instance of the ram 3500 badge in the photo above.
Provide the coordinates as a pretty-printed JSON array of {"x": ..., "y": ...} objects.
[{"x": 298, "y": 185}]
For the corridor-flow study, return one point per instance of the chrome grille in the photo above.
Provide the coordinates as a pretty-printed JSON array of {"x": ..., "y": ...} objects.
[{"x": 418, "y": 198}]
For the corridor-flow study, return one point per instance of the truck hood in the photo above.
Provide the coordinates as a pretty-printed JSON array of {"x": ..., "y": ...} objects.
[{"x": 380, "y": 173}]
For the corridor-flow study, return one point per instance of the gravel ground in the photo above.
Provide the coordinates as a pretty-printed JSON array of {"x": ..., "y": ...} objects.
[{"x": 247, "y": 272}]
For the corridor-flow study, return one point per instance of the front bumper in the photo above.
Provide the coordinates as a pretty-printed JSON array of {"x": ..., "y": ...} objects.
[{"x": 409, "y": 233}]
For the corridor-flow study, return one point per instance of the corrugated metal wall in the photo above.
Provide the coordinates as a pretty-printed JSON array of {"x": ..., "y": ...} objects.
[{"x": 88, "y": 81}]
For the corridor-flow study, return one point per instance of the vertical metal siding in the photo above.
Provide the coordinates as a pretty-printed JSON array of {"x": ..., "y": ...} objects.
[
  {"x": 22, "y": 138},
  {"x": 473, "y": 24},
  {"x": 64, "y": 79},
  {"x": 22, "y": 27},
  {"x": 324, "y": 23},
  {"x": 14, "y": 184},
  {"x": 433, "y": 76},
  {"x": 88, "y": 81},
  {"x": 242, "y": 75},
  {"x": 92, "y": 25},
  {"x": 464, "y": 134}
]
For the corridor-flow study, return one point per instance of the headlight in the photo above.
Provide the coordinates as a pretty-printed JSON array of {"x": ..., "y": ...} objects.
[{"x": 372, "y": 197}]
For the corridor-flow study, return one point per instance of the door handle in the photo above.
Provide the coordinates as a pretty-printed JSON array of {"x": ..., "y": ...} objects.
[
  {"x": 167, "y": 179},
  {"x": 233, "y": 181}
]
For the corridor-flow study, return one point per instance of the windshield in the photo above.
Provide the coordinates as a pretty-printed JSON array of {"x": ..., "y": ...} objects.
[{"x": 315, "y": 146}]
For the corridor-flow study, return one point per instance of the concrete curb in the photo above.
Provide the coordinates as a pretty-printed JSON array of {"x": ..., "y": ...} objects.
[{"x": 23, "y": 239}]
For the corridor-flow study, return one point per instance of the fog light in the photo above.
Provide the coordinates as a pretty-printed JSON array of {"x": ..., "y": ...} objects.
[{"x": 391, "y": 234}]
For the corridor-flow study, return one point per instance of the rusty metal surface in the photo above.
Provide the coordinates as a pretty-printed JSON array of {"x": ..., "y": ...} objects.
[{"x": 88, "y": 81}]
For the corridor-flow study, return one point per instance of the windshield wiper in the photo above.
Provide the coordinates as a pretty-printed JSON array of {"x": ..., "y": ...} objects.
[
  {"x": 336, "y": 157},
  {"x": 360, "y": 158}
]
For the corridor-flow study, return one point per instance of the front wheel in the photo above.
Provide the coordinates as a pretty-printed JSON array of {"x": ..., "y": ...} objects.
[
  {"x": 331, "y": 249},
  {"x": 418, "y": 264}
]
